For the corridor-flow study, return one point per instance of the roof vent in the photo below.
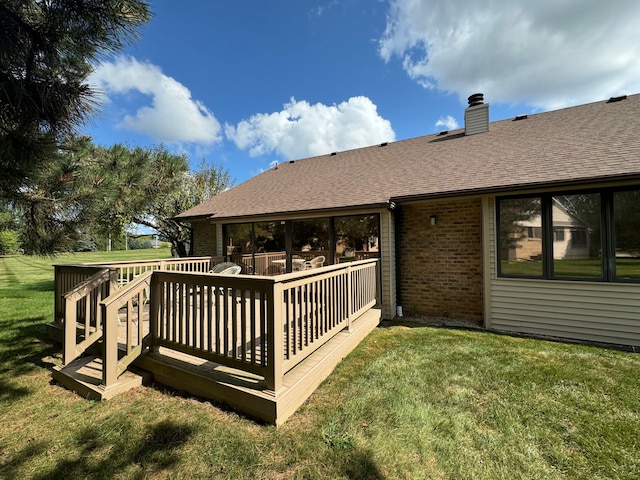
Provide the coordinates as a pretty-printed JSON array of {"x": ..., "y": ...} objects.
[
  {"x": 334, "y": 153},
  {"x": 617, "y": 99},
  {"x": 292, "y": 161},
  {"x": 520, "y": 117},
  {"x": 443, "y": 132},
  {"x": 384, "y": 144},
  {"x": 476, "y": 116}
]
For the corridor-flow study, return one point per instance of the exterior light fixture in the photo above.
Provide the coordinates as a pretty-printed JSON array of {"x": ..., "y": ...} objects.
[{"x": 433, "y": 219}]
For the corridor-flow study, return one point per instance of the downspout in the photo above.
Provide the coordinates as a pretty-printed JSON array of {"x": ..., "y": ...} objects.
[{"x": 397, "y": 219}]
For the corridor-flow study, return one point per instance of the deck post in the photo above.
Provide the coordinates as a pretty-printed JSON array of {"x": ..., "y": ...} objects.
[
  {"x": 58, "y": 299},
  {"x": 69, "y": 336},
  {"x": 110, "y": 345},
  {"x": 155, "y": 292},
  {"x": 378, "y": 284},
  {"x": 349, "y": 298},
  {"x": 113, "y": 281},
  {"x": 275, "y": 352}
]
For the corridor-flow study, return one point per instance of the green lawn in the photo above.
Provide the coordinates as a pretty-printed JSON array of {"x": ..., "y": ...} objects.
[{"x": 408, "y": 403}]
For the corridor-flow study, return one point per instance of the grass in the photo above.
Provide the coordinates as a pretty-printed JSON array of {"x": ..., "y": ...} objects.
[{"x": 407, "y": 403}]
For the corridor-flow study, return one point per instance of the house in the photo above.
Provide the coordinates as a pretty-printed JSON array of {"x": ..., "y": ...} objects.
[
  {"x": 447, "y": 208},
  {"x": 570, "y": 236},
  {"x": 528, "y": 225}
]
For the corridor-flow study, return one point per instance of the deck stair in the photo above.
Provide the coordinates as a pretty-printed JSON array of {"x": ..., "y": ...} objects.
[{"x": 84, "y": 376}]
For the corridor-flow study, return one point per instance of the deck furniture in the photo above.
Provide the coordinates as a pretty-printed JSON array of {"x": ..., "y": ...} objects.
[
  {"x": 315, "y": 262},
  {"x": 220, "y": 267}
]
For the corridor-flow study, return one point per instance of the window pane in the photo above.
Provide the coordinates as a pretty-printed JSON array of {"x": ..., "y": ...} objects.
[
  {"x": 239, "y": 245},
  {"x": 357, "y": 237},
  {"x": 627, "y": 224},
  {"x": 238, "y": 239},
  {"x": 270, "y": 256},
  {"x": 310, "y": 240},
  {"x": 577, "y": 251},
  {"x": 521, "y": 236}
]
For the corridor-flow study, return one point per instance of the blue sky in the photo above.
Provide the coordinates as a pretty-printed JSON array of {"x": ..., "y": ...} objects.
[{"x": 245, "y": 83}]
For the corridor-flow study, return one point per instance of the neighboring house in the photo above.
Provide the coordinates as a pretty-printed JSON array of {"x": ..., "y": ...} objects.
[
  {"x": 447, "y": 206},
  {"x": 570, "y": 237}
]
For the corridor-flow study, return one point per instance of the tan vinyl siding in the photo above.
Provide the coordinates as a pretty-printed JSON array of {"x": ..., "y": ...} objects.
[
  {"x": 476, "y": 119},
  {"x": 488, "y": 255},
  {"x": 599, "y": 312},
  {"x": 388, "y": 261}
]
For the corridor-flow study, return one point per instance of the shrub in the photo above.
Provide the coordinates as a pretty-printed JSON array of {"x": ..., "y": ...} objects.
[{"x": 9, "y": 243}]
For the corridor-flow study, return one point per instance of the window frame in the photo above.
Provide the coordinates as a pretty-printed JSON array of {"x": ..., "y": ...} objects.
[{"x": 607, "y": 235}]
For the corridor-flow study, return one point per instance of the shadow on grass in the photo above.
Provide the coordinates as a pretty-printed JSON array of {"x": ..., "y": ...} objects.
[
  {"x": 25, "y": 348},
  {"x": 361, "y": 465},
  {"x": 43, "y": 286},
  {"x": 99, "y": 456}
]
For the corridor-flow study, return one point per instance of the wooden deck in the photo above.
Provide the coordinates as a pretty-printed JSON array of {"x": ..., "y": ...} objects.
[
  {"x": 240, "y": 390},
  {"x": 260, "y": 345}
]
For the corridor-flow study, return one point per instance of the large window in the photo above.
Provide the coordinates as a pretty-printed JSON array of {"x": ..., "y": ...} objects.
[
  {"x": 587, "y": 235},
  {"x": 269, "y": 248}
]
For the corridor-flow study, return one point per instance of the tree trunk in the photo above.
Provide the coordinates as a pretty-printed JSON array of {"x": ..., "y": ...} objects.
[{"x": 180, "y": 249}]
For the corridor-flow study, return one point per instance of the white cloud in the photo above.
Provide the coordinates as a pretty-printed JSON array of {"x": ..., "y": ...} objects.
[
  {"x": 172, "y": 116},
  {"x": 546, "y": 53},
  {"x": 302, "y": 130},
  {"x": 448, "y": 122}
]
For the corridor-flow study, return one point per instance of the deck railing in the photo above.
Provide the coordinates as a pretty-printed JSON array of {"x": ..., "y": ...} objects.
[
  {"x": 260, "y": 263},
  {"x": 260, "y": 324},
  {"x": 126, "y": 310},
  {"x": 79, "y": 289},
  {"x": 83, "y": 319}
]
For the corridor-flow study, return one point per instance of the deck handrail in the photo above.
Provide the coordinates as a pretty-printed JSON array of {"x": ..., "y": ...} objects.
[
  {"x": 68, "y": 276},
  {"x": 211, "y": 316},
  {"x": 81, "y": 303},
  {"x": 264, "y": 325},
  {"x": 132, "y": 296},
  {"x": 319, "y": 303}
]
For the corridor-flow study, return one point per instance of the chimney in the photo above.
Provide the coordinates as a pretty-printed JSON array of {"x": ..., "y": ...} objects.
[{"x": 476, "y": 116}]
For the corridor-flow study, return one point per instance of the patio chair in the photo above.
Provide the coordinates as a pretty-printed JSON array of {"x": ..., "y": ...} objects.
[
  {"x": 233, "y": 270},
  {"x": 222, "y": 266},
  {"x": 315, "y": 262}
]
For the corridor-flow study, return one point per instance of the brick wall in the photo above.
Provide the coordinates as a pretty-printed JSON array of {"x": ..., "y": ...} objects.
[
  {"x": 441, "y": 265},
  {"x": 204, "y": 238}
]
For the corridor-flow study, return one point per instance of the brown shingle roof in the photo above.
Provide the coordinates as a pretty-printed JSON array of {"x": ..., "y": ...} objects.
[{"x": 577, "y": 144}]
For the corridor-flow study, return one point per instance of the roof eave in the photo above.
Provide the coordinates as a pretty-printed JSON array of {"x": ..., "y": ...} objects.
[
  {"x": 301, "y": 213},
  {"x": 583, "y": 182}
]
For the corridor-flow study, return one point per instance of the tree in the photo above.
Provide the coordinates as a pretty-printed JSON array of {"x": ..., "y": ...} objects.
[
  {"x": 513, "y": 213},
  {"x": 9, "y": 236},
  {"x": 47, "y": 49},
  {"x": 192, "y": 188},
  {"x": 356, "y": 231}
]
